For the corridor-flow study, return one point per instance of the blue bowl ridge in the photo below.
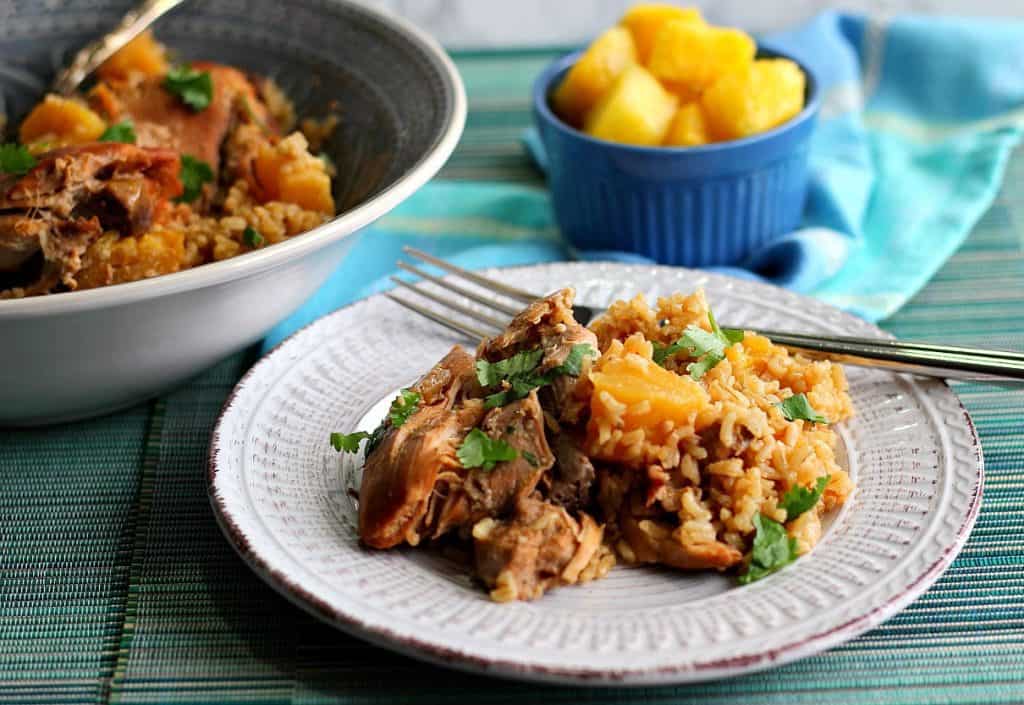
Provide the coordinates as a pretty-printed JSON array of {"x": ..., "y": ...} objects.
[{"x": 699, "y": 206}]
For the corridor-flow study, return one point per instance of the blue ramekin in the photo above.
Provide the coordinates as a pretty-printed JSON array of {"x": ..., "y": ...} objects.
[{"x": 693, "y": 206}]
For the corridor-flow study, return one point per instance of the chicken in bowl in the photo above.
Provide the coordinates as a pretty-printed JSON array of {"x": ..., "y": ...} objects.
[{"x": 155, "y": 169}]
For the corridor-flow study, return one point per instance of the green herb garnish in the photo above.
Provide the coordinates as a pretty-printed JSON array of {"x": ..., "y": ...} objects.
[
  {"x": 119, "y": 132},
  {"x": 573, "y": 363},
  {"x": 15, "y": 159},
  {"x": 773, "y": 549},
  {"x": 522, "y": 363},
  {"x": 348, "y": 442},
  {"x": 193, "y": 88},
  {"x": 799, "y": 499},
  {"x": 194, "y": 173},
  {"x": 404, "y": 406},
  {"x": 708, "y": 349},
  {"x": 519, "y": 373},
  {"x": 530, "y": 458},
  {"x": 251, "y": 236},
  {"x": 328, "y": 163},
  {"x": 479, "y": 450},
  {"x": 797, "y": 407}
]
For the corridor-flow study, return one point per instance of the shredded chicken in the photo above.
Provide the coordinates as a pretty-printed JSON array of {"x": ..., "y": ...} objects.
[
  {"x": 538, "y": 547},
  {"x": 71, "y": 197}
]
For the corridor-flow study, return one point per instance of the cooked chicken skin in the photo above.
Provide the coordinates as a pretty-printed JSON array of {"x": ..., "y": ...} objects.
[
  {"x": 400, "y": 474},
  {"x": 160, "y": 119},
  {"x": 75, "y": 194}
]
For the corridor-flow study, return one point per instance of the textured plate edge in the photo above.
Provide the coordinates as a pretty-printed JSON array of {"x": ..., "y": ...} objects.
[{"x": 695, "y": 672}]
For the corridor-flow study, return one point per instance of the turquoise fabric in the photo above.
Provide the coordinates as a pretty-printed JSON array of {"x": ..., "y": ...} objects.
[{"x": 918, "y": 119}]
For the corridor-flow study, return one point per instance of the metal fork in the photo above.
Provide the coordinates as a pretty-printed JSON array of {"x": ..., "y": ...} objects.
[{"x": 943, "y": 361}]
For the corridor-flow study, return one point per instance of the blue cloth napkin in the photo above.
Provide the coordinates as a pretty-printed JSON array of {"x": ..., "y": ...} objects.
[{"x": 919, "y": 116}]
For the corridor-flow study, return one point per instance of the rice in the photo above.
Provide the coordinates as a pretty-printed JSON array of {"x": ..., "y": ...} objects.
[
  {"x": 215, "y": 238},
  {"x": 714, "y": 453}
]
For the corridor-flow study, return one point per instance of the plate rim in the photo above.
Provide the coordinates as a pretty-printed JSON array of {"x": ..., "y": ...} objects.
[{"x": 693, "y": 672}]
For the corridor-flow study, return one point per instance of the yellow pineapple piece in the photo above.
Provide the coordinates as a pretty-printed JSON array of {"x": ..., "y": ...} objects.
[
  {"x": 595, "y": 72},
  {"x": 687, "y": 128},
  {"x": 646, "y": 20},
  {"x": 636, "y": 399},
  {"x": 637, "y": 110},
  {"x": 58, "y": 122},
  {"x": 143, "y": 55},
  {"x": 764, "y": 95},
  {"x": 688, "y": 57},
  {"x": 114, "y": 259}
]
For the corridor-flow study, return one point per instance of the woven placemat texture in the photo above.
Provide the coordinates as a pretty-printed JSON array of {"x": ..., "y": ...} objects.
[{"x": 117, "y": 586}]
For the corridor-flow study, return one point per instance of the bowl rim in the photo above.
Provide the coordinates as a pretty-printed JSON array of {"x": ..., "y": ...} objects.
[
  {"x": 543, "y": 86},
  {"x": 340, "y": 227}
]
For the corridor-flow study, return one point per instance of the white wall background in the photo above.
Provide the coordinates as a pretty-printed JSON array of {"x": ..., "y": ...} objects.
[{"x": 490, "y": 23}]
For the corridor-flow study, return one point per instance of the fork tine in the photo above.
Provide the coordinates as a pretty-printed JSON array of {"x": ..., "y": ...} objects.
[
  {"x": 464, "y": 310},
  {"x": 469, "y": 331},
  {"x": 524, "y": 296},
  {"x": 472, "y": 296}
]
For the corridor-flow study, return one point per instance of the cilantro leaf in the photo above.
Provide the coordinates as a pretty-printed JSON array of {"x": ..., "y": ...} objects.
[
  {"x": 773, "y": 549},
  {"x": 193, "y": 88},
  {"x": 697, "y": 342},
  {"x": 797, "y": 407},
  {"x": 522, "y": 363},
  {"x": 479, "y": 450},
  {"x": 15, "y": 159},
  {"x": 119, "y": 132},
  {"x": 251, "y": 237},
  {"x": 730, "y": 336},
  {"x": 348, "y": 442},
  {"x": 493, "y": 401},
  {"x": 530, "y": 458},
  {"x": 404, "y": 406},
  {"x": 573, "y": 363},
  {"x": 798, "y": 500},
  {"x": 700, "y": 368},
  {"x": 194, "y": 173},
  {"x": 663, "y": 352},
  {"x": 329, "y": 164},
  {"x": 707, "y": 349},
  {"x": 518, "y": 374}
]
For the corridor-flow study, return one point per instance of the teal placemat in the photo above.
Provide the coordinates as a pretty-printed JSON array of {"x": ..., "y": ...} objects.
[{"x": 116, "y": 585}]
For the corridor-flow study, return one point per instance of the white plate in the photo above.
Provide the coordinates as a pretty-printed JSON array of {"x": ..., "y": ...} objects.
[{"x": 284, "y": 499}]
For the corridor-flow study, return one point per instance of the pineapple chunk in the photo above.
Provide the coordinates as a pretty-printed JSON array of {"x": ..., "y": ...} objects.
[
  {"x": 688, "y": 57},
  {"x": 637, "y": 110},
  {"x": 288, "y": 172},
  {"x": 636, "y": 399},
  {"x": 632, "y": 379},
  {"x": 687, "y": 128},
  {"x": 646, "y": 20},
  {"x": 58, "y": 122},
  {"x": 595, "y": 72},
  {"x": 114, "y": 259},
  {"x": 143, "y": 55},
  {"x": 763, "y": 96}
]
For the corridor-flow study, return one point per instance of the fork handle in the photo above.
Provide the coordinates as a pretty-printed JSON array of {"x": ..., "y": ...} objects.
[
  {"x": 89, "y": 57},
  {"x": 955, "y": 363}
]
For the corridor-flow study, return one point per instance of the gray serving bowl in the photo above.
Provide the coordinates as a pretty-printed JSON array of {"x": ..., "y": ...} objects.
[{"x": 402, "y": 108}]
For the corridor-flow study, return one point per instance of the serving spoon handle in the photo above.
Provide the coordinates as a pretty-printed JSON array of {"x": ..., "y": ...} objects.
[{"x": 89, "y": 58}]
